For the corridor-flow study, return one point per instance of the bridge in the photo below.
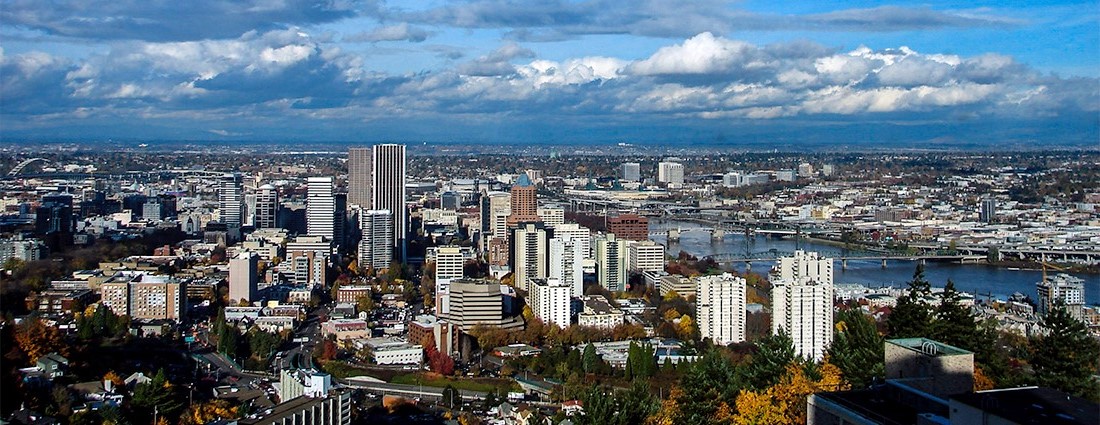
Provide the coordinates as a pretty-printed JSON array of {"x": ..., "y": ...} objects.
[
  {"x": 20, "y": 166},
  {"x": 771, "y": 255}
]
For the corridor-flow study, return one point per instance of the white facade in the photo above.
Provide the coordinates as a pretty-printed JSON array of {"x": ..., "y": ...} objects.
[
  {"x": 320, "y": 207},
  {"x": 611, "y": 261},
  {"x": 721, "y": 308},
  {"x": 552, "y": 216},
  {"x": 578, "y": 233},
  {"x": 567, "y": 262},
  {"x": 670, "y": 172},
  {"x": 388, "y": 187},
  {"x": 632, "y": 171},
  {"x": 449, "y": 261},
  {"x": 243, "y": 277},
  {"x": 599, "y": 313},
  {"x": 230, "y": 200},
  {"x": 802, "y": 302},
  {"x": 267, "y": 207},
  {"x": 376, "y": 246},
  {"x": 529, "y": 251},
  {"x": 550, "y": 301},
  {"x": 646, "y": 256}
]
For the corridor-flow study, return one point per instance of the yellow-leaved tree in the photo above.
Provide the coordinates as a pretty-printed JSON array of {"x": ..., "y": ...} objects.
[
  {"x": 201, "y": 413},
  {"x": 785, "y": 402}
]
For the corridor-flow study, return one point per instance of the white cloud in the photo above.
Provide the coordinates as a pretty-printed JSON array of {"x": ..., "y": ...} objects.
[{"x": 702, "y": 54}]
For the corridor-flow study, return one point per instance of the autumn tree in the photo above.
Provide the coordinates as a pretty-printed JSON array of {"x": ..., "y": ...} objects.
[
  {"x": 440, "y": 363},
  {"x": 912, "y": 317},
  {"x": 37, "y": 339},
  {"x": 785, "y": 402},
  {"x": 203, "y": 413}
]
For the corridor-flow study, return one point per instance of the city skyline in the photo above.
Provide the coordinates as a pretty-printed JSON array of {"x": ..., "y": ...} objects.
[{"x": 492, "y": 72}]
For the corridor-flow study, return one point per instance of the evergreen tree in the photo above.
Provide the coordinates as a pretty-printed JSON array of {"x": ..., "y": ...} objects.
[
  {"x": 590, "y": 359},
  {"x": 1067, "y": 356},
  {"x": 912, "y": 317},
  {"x": 857, "y": 348},
  {"x": 954, "y": 323},
  {"x": 705, "y": 385},
  {"x": 773, "y": 355}
]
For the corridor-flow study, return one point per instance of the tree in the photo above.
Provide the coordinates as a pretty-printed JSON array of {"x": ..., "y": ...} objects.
[
  {"x": 857, "y": 348},
  {"x": 440, "y": 363},
  {"x": 704, "y": 385},
  {"x": 785, "y": 402},
  {"x": 158, "y": 395},
  {"x": 590, "y": 359},
  {"x": 686, "y": 328},
  {"x": 953, "y": 323},
  {"x": 365, "y": 303},
  {"x": 203, "y": 413},
  {"x": 912, "y": 317},
  {"x": 451, "y": 397},
  {"x": 628, "y": 407},
  {"x": 769, "y": 363},
  {"x": 37, "y": 339},
  {"x": 1066, "y": 357}
]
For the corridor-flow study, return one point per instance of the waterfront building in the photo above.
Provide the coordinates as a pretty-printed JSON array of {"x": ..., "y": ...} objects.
[
  {"x": 802, "y": 302},
  {"x": 720, "y": 303}
]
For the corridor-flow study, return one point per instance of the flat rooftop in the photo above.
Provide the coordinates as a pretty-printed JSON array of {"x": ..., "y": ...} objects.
[
  {"x": 928, "y": 346},
  {"x": 1034, "y": 406}
]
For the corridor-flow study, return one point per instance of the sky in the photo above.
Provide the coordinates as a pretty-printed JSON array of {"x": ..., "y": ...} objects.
[{"x": 998, "y": 73}]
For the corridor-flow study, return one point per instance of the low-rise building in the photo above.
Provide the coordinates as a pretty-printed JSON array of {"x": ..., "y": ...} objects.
[
  {"x": 345, "y": 329},
  {"x": 390, "y": 351},
  {"x": 599, "y": 313}
]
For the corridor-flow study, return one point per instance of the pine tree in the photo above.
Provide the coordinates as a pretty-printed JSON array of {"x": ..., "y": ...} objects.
[
  {"x": 857, "y": 348},
  {"x": 912, "y": 317},
  {"x": 1066, "y": 357},
  {"x": 773, "y": 355},
  {"x": 954, "y": 323},
  {"x": 590, "y": 359}
]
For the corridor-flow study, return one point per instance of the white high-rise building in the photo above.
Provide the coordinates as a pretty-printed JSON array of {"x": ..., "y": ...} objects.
[
  {"x": 449, "y": 263},
  {"x": 320, "y": 207},
  {"x": 611, "y": 261},
  {"x": 580, "y": 234},
  {"x": 670, "y": 172},
  {"x": 552, "y": 216},
  {"x": 1063, "y": 288},
  {"x": 721, "y": 308},
  {"x": 567, "y": 261},
  {"x": 243, "y": 277},
  {"x": 388, "y": 189},
  {"x": 267, "y": 206},
  {"x": 500, "y": 207},
  {"x": 646, "y": 256},
  {"x": 802, "y": 302},
  {"x": 529, "y": 251},
  {"x": 230, "y": 200},
  {"x": 550, "y": 301},
  {"x": 632, "y": 171},
  {"x": 375, "y": 248}
]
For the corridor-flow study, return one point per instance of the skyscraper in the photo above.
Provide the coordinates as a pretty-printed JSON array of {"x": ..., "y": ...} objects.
[
  {"x": 670, "y": 171},
  {"x": 243, "y": 277},
  {"x": 529, "y": 252},
  {"x": 567, "y": 261},
  {"x": 802, "y": 302},
  {"x": 320, "y": 207},
  {"x": 449, "y": 263},
  {"x": 267, "y": 206},
  {"x": 375, "y": 248},
  {"x": 524, "y": 202},
  {"x": 721, "y": 305},
  {"x": 230, "y": 201},
  {"x": 988, "y": 212},
  {"x": 359, "y": 177},
  {"x": 611, "y": 260},
  {"x": 387, "y": 189}
]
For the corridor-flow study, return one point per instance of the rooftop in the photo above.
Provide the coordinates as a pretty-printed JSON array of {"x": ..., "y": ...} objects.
[
  {"x": 928, "y": 346},
  {"x": 1034, "y": 406}
]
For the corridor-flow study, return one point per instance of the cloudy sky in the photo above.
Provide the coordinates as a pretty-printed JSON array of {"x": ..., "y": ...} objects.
[{"x": 644, "y": 71}]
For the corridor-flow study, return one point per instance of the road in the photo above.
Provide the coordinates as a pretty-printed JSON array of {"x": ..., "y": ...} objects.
[{"x": 414, "y": 391}]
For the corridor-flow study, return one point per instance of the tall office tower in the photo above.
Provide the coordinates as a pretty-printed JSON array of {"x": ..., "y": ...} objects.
[
  {"x": 802, "y": 302},
  {"x": 805, "y": 170},
  {"x": 550, "y": 301},
  {"x": 340, "y": 220},
  {"x": 500, "y": 207},
  {"x": 581, "y": 234},
  {"x": 375, "y": 248},
  {"x": 448, "y": 267},
  {"x": 525, "y": 205},
  {"x": 267, "y": 206},
  {"x": 230, "y": 201},
  {"x": 646, "y": 256},
  {"x": 567, "y": 261},
  {"x": 529, "y": 252},
  {"x": 359, "y": 177},
  {"x": 670, "y": 172},
  {"x": 988, "y": 211},
  {"x": 721, "y": 303},
  {"x": 388, "y": 189},
  {"x": 632, "y": 171},
  {"x": 611, "y": 260},
  {"x": 320, "y": 207},
  {"x": 243, "y": 277}
]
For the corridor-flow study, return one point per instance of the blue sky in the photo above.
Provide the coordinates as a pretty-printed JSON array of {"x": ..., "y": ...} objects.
[{"x": 552, "y": 71}]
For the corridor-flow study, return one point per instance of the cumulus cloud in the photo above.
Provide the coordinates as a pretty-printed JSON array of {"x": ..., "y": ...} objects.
[
  {"x": 399, "y": 32},
  {"x": 168, "y": 20},
  {"x": 497, "y": 62}
]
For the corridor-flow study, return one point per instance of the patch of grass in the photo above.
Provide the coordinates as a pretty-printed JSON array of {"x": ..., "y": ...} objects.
[
  {"x": 469, "y": 384},
  {"x": 342, "y": 370}
]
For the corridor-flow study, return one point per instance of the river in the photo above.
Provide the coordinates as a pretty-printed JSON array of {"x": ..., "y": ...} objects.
[{"x": 976, "y": 279}]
